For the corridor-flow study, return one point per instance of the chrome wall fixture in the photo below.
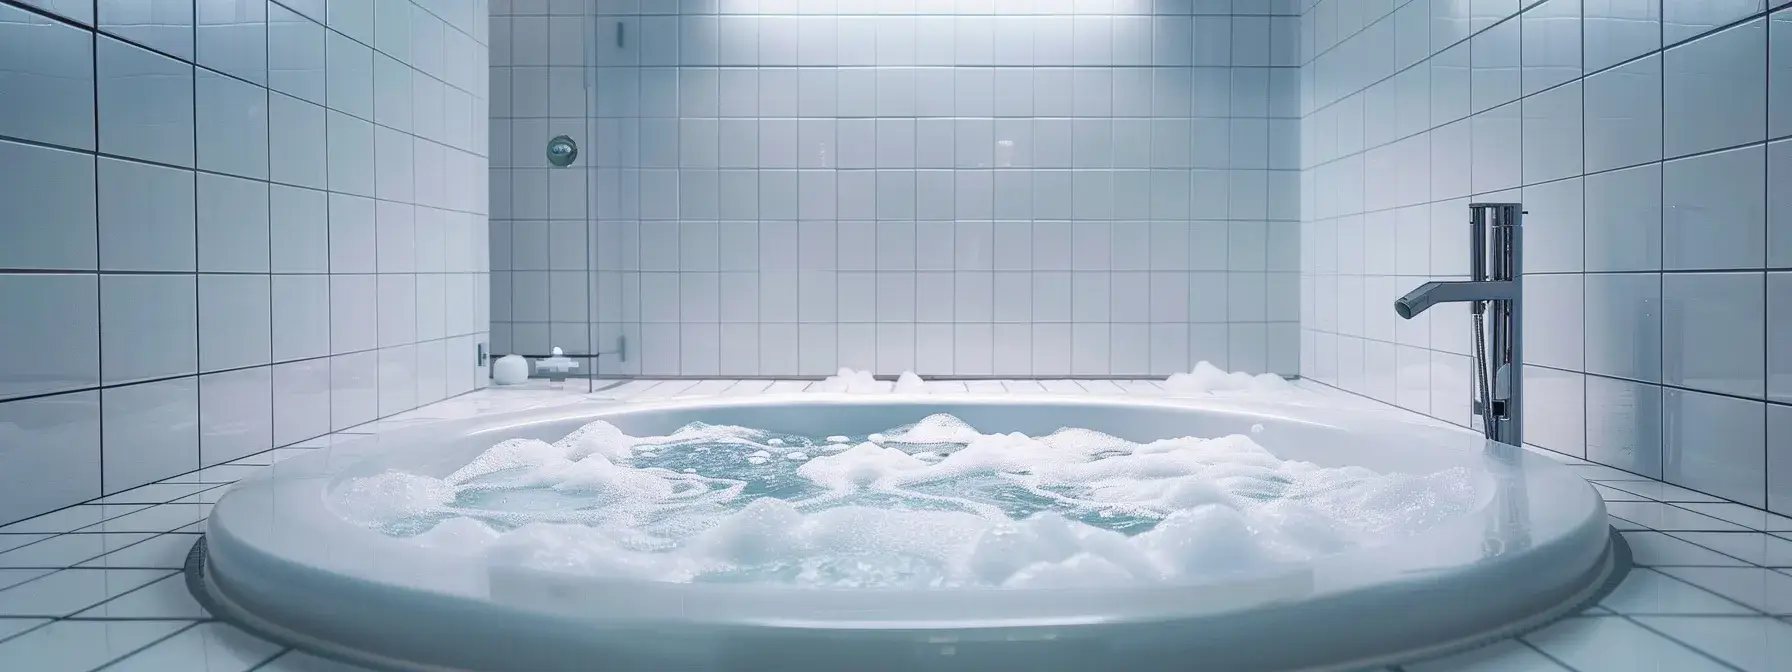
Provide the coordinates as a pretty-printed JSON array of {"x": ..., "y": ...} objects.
[
  {"x": 562, "y": 151},
  {"x": 1495, "y": 274}
]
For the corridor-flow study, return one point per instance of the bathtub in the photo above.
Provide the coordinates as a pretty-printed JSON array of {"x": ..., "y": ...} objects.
[{"x": 277, "y": 559}]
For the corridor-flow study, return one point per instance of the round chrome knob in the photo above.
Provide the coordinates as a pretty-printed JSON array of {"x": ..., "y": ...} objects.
[{"x": 562, "y": 151}]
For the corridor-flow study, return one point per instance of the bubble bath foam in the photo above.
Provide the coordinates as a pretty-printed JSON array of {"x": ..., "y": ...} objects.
[{"x": 932, "y": 504}]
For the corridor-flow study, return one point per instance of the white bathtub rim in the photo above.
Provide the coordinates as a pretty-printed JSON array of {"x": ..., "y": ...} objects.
[{"x": 308, "y": 479}]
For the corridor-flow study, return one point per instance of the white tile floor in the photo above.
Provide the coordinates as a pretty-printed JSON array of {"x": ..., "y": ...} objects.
[{"x": 97, "y": 586}]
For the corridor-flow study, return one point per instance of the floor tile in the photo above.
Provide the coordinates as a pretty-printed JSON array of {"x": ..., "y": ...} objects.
[
  {"x": 158, "y": 518},
  {"x": 13, "y": 577},
  {"x": 167, "y": 598},
  {"x": 72, "y": 518},
  {"x": 1746, "y": 516},
  {"x": 1611, "y": 494},
  {"x": 1023, "y": 386},
  {"x": 1614, "y": 644},
  {"x": 386, "y": 425},
  {"x": 155, "y": 493},
  {"x": 1646, "y": 591},
  {"x": 325, "y": 441},
  {"x": 298, "y": 661},
  {"x": 710, "y": 387},
  {"x": 206, "y": 497},
  {"x": 1141, "y": 388},
  {"x": 1763, "y": 589},
  {"x": 1062, "y": 387},
  {"x": 79, "y": 646},
  {"x": 1765, "y": 550},
  {"x": 1658, "y": 549},
  {"x": 207, "y": 647},
  {"x": 1668, "y": 518},
  {"x": 1564, "y": 458},
  {"x": 12, "y": 541},
  {"x": 985, "y": 387},
  {"x": 10, "y": 627},
  {"x": 787, "y": 386},
  {"x": 945, "y": 387},
  {"x": 268, "y": 457},
  {"x": 747, "y": 388},
  {"x": 68, "y": 550},
  {"x": 1662, "y": 492},
  {"x": 623, "y": 391},
  {"x": 168, "y": 551},
  {"x": 68, "y": 591},
  {"x": 1599, "y": 472},
  {"x": 1507, "y": 656},
  {"x": 666, "y": 389},
  {"x": 1102, "y": 387},
  {"x": 1621, "y": 524},
  {"x": 1752, "y": 644},
  {"x": 223, "y": 473}
]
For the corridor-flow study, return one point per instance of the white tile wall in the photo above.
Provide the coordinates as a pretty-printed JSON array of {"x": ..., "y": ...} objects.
[
  {"x": 1656, "y": 239},
  {"x": 173, "y": 229},
  {"x": 960, "y": 189}
]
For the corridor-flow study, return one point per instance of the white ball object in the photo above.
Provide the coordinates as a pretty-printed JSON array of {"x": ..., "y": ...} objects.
[{"x": 510, "y": 370}]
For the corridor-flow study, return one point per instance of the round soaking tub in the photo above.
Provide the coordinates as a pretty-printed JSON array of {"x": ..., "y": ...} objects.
[{"x": 279, "y": 558}]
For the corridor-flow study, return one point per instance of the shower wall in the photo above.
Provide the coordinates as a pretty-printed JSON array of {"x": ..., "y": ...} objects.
[
  {"x": 1643, "y": 137},
  {"x": 969, "y": 187},
  {"x": 227, "y": 226}
]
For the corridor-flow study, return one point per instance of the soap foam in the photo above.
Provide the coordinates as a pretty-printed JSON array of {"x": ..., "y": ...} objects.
[
  {"x": 852, "y": 381},
  {"x": 936, "y": 504},
  {"x": 1209, "y": 379}
]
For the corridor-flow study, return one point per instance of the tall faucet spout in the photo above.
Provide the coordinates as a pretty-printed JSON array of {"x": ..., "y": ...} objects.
[{"x": 1432, "y": 293}]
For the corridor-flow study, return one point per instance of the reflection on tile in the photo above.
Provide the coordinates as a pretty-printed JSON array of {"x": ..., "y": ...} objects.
[
  {"x": 1761, "y": 549},
  {"x": 1611, "y": 494},
  {"x": 168, "y": 551},
  {"x": 1600, "y": 472},
  {"x": 13, "y": 577},
  {"x": 68, "y": 550},
  {"x": 49, "y": 446},
  {"x": 159, "y": 518},
  {"x": 13, "y": 626},
  {"x": 154, "y": 493},
  {"x": 1610, "y": 643},
  {"x": 1752, "y": 644},
  {"x": 167, "y": 598},
  {"x": 1714, "y": 332},
  {"x": 1779, "y": 458},
  {"x": 1662, "y": 492},
  {"x": 223, "y": 473},
  {"x": 1715, "y": 444},
  {"x": 1507, "y": 656},
  {"x": 1749, "y": 517},
  {"x": 1669, "y": 518},
  {"x": 79, "y": 646},
  {"x": 1727, "y": 66},
  {"x": 1713, "y": 213},
  {"x": 1624, "y": 425},
  {"x": 296, "y": 661},
  {"x": 72, "y": 518},
  {"x": 1624, "y": 325},
  {"x": 12, "y": 541},
  {"x": 1763, "y": 589},
  {"x": 1658, "y": 549},
  {"x": 219, "y": 647},
  {"x": 72, "y": 590},
  {"x": 1646, "y": 591}
]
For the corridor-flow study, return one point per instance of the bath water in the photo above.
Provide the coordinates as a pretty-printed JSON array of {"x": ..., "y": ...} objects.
[{"x": 933, "y": 504}]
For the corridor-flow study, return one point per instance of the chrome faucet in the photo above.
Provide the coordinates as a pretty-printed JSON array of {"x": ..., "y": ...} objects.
[{"x": 1495, "y": 283}]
